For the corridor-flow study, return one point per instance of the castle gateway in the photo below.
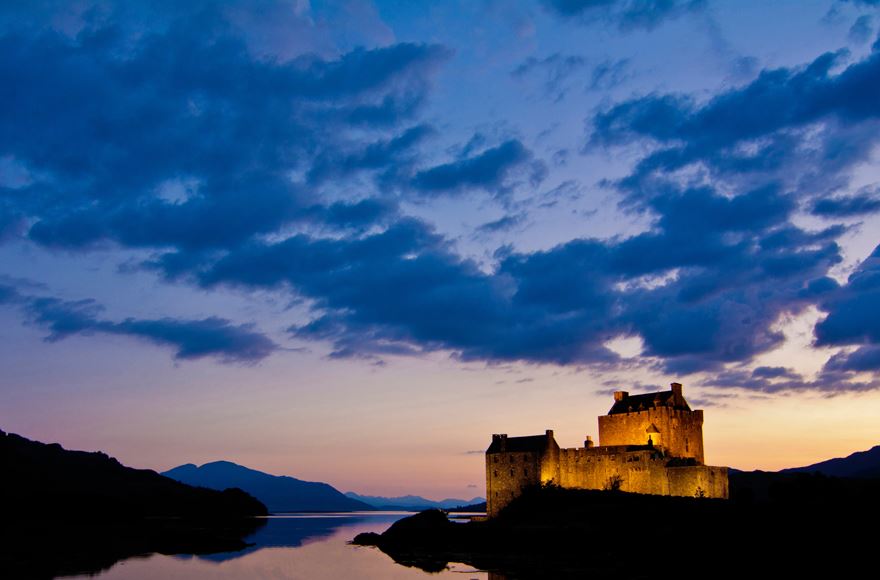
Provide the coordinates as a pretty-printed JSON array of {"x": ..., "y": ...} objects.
[{"x": 651, "y": 443}]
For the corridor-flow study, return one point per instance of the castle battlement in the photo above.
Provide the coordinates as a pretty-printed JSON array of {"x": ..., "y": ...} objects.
[{"x": 649, "y": 443}]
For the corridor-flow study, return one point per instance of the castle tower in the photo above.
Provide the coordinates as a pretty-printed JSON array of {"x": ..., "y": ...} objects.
[{"x": 665, "y": 417}]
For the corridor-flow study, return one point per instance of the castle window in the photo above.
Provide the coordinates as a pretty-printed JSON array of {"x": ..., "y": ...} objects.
[
  {"x": 511, "y": 473},
  {"x": 496, "y": 473},
  {"x": 495, "y": 459},
  {"x": 526, "y": 472}
]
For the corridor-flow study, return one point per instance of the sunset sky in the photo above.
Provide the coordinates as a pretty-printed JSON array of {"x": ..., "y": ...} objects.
[{"x": 348, "y": 241}]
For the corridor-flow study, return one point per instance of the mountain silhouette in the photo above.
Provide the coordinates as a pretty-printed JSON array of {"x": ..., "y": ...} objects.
[
  {"x": 858, "y": 464},
  {"x": 412, "y": 502},
  {"x": 280, "y": 493},
  {"x": 48, "y": 480},
  {"x": 75, "y": 512}
]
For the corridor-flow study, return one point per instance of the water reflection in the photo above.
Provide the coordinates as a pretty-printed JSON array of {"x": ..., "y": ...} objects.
[
  {"x": 291, "y": 546},
  {"x": 295, "y": 530}
]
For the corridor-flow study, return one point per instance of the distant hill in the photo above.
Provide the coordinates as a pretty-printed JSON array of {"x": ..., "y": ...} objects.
[
  {"x": 474, "y": 507},
  {"x": 280, "y": 493},
  {"x": 45, "y": 480},
  {"x": 858, "y": 464},
  {"x": 412, "y": 502}
]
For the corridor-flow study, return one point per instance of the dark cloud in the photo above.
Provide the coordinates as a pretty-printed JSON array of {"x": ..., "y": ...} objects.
[
  {"x": 237, "y": 171},
  {"x": 502, "y": 224},
  {"x": 390, "y": 154},
  {"x": 829, "y": 382},
  {"x": 786, "y": 142},
  {"x": 739, "y": 264},
  {"x": 402, "y": 291},
  {"x": 864, "y": 202},
  {"x": 625, "y": 14},
  {"x": 703, "y": 288},
  {"x": 189, "y": 102},
  {"x": 853, "y": 309},
  {"x": 803, "y": 127},
  {"x": 359, "y": 214},
  {"x": 863, "y": 359},
  {"x": 490, "y": 170},
  {"x": 190, "y": 339},
  {"x": 774, "y": 373}
]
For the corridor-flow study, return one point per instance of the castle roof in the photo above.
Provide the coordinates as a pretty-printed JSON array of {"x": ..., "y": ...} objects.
[
  {"x": 528, "y": 443},
  {"x": 632, "y": 403}
]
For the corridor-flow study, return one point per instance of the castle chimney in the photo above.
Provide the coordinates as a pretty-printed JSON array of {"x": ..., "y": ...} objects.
[
  {"x": 501, "y": 439},
  {"x": 589, "y": 442},
  {"x": 676, "y": 393},
  {"x": 621, "y": 395},
  {"x": 549, "y": 433}
]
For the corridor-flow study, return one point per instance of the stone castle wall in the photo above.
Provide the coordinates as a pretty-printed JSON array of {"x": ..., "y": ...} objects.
[
  {"x": 507, "y": 474},
  {"x": 597, "y": 468},
  {"x": 641, "y": 471},
  {"x": 635, "y": 471},
  {"x": 681, "y": 432},
  {"x": 698, "y": 481}
]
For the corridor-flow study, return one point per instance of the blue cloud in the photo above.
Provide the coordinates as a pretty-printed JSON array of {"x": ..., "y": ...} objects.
[
  {"x": 489, "y": 170},
  {"x": 853, "y": 309},
  {"x": 190, "y": 339},
  {"x": 391, "y": 155},
  {"x": 502, "y": 224},
  {"x": 805, "y": 128},
  {"x": 863, "y": 359},
  {"x": 189, "y": 102},
  {"x": 242, "y": 171},
  {"x": 863, "y": 202}
]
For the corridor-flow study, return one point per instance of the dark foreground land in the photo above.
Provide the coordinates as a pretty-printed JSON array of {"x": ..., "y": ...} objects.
[
  {"x": 774, "y": 525},
  {"x": 71, "y": 512}
]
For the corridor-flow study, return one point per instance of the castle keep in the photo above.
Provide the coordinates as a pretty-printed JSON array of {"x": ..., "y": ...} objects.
[{"x": 651, "y": 443}]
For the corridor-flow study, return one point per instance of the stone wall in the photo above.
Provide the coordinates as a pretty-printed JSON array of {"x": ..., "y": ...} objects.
[
  {"x": 598, "y": 468},
  {"x": 616, "y": 467},
  {"x": 681, "y": 432},
  {"x": 640, "y": 471},
  {"x": 698, "y": 481},
  {"x": 507, "y": 474}
]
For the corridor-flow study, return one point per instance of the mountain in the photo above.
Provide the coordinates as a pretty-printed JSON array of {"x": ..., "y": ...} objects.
[
  {"x": 47, "y": 481},
  {"x": 280, "y": 493},
  {"x": 858, "y": 464},
  {"x": 412, "y": 502}
]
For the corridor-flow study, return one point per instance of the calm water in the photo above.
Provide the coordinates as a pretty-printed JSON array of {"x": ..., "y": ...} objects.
[{"x": 313, "y": 546}]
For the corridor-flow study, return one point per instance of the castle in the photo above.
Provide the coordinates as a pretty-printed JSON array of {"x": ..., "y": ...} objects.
[{"x": 651, "y": 443}]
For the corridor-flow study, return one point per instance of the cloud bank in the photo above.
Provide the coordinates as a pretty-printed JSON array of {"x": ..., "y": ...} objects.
[{"x": 237, "y": 168}]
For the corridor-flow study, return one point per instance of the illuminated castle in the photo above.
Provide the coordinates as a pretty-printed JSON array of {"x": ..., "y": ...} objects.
[{"x": 651, "y": 443}]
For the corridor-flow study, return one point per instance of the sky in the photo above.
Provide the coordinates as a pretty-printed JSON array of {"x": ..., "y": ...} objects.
[{"x": 347, "y": 241}]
